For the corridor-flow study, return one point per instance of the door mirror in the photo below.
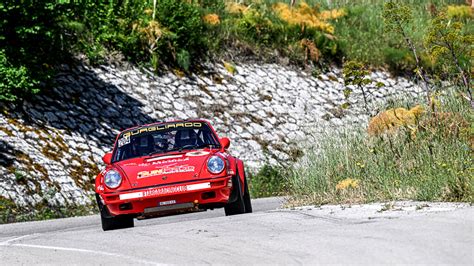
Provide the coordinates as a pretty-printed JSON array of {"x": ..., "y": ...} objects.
[
  {"x": 225, "y": 143},
  {"x": 107, "y": 158}
]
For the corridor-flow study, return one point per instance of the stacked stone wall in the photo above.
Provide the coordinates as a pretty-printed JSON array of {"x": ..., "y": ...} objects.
[{"x": 51, "y": 146}]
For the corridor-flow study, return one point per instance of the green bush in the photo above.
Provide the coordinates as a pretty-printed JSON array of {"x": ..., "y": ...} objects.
[
  {"x": 30, "y": 42},
  {"x": 256, "y": 27},
  {"x": 184, "y": 21},
  {"x": 269, "y": 181},
  {"x": 15, "y": 81}
]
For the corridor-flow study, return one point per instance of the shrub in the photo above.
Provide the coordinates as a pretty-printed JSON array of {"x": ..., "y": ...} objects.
[
  {"x": 30, "y": 42},
  {"x": 15, "y": 81},
  {"x": 459, "y": 12},
  {"x": 184, "y": 21},
  {"x": 256, "y": 27},
  {"x": 269, "y": 181},
  {"x": 392, "y": 119},
  {"x": 211, "y": 19},
  {"x": 308, "y": 16}
]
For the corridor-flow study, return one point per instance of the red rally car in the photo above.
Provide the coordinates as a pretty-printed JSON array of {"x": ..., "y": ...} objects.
[{"x": 169, "y": 167}]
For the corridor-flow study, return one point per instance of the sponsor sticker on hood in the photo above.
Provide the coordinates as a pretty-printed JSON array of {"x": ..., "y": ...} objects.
[
  {"x": 197, "y": 153},
  {"x": 166, "y": 170}
]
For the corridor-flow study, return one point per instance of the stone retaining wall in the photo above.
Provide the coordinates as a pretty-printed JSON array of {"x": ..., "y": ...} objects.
[{"x": 51, "y": 146}]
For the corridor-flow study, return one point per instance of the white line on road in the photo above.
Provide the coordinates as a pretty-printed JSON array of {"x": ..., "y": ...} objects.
[
  {"x": 5, "y": 243},
  {"x": 134, "y": 259}
]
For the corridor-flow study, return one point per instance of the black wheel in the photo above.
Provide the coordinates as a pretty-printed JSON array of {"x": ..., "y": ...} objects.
[
  {"x": 110, "y": 222},
  {"x": 238, "y": 206},
  {"x": 116, "y": 222},
  {"x": 247, "y": 201}
]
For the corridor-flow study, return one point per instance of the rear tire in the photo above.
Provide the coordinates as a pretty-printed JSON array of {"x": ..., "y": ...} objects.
[
  {"x": 110, "y": 222},
  {"x": 238, "y": 206}
]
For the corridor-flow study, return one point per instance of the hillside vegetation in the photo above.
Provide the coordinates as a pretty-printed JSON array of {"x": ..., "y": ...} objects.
[
  {"x": 416, "y": 149},
  {"x": 35, "y": 36}
]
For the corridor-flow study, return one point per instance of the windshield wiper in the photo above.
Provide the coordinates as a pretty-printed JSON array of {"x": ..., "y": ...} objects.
[
  {"x": 156, "y": 152},
  {"x": 185, "y": 147}
]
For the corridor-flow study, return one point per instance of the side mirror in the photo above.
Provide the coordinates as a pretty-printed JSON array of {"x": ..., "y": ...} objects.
[
  {"x": 225, "y": 143},
  {"x": 107, "y": 158}
]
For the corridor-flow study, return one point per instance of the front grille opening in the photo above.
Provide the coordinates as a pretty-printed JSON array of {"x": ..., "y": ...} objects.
[
  {"x": 208, "y": 195},
  {"x": 125, "y": 206}
]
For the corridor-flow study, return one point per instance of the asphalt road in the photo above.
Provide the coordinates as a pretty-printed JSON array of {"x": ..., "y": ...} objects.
[{"x": 408, "y": 232}]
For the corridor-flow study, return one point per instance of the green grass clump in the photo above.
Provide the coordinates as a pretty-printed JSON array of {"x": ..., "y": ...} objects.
[
  {"x": 267, "y": 182},
  {"x": 431, "y": 161}
]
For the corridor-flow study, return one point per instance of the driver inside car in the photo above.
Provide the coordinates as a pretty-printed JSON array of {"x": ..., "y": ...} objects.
[{"x": 185, "y": 138}]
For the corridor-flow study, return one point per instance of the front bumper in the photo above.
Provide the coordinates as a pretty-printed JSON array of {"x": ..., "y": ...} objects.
[{"x": 153, "y": 200}]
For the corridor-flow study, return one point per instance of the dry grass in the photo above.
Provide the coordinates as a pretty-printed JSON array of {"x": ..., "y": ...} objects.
[{"x": 430, "y": 160}]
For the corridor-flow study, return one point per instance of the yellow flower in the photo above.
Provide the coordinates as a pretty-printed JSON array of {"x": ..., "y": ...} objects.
[
  {"x": 308, "y": 16},
  {"x": 347, "y": 183},
  {"x": 235, "y": 8},
  {"x": 211, "y": 19}
]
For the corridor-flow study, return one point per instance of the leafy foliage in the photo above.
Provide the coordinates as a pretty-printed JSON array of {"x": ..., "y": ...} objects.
[
  {"x": 30, "y": 41},
  {"x": 181, "y": 33},
  {"x": 448, "y": 44},
  {"x": 397, "y": 16},
  {"x": 185, "y": 23},
  {"x": 15, "y": 81},
  {"x": 355, "y": 75},
  {"x": 269, "y": 181}
]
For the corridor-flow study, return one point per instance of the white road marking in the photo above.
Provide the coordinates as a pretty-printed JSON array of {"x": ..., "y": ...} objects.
[
  {"x": 4, "y": 243},
  {"x": 136, "y": 260}
]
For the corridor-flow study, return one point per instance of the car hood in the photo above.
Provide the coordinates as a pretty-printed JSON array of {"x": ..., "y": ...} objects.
[{"x": 164, "y": 169}]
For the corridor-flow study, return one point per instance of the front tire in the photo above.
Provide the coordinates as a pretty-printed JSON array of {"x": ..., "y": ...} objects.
[
  {"x": 116, "y": 222},
  {"x": 110, "y": 222},
  {"x": 238, "y": 206}
]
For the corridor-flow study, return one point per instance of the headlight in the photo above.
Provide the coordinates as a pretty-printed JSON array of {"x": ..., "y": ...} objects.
[
  {"x": 112, "y": 179},
  {"x": 215, "y": 164}
]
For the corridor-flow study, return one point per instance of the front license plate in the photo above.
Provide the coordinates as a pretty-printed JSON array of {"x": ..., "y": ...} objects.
[{"x": 168, "y": 202}]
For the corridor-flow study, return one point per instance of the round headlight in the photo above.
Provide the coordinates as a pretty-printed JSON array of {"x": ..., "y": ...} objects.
[
  {"x": 215, "y": 164},
  {"x": 112, "y": 179}
]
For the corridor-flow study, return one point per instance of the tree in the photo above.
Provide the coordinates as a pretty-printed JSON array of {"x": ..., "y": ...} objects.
[
  {"x": 356, "y": 75},
  {"x": 447, "y": 43},
  {"x": 397, "y": 17}
]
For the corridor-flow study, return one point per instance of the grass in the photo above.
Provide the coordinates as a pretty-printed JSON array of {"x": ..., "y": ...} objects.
[
  {"x": 269, "y": 181},
  {"x": 10, "y": 212},
  {"x": 430, "y": 161}
]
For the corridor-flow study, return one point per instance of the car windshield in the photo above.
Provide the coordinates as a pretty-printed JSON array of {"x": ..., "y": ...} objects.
[{"x": 162, "y": 138}]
